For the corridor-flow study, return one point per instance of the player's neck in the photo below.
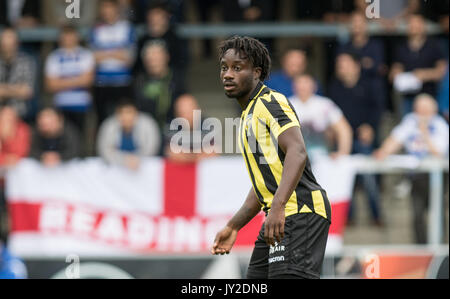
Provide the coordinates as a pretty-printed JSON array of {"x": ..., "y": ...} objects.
[{"x": 246, "y": 99}]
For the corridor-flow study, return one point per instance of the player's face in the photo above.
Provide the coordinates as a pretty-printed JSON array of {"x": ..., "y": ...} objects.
[{"x": 237, "y": 74}]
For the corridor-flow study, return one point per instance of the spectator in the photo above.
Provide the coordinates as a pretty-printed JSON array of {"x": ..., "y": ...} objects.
[
  {"x": 158, "y": 86},
  {"x": 337, "y": 11},
  {"x": 362, "y": 105},
  {"x": 205, "y": 11},
  {"x": 160, "y": 29},
  {"x": 14, "y": 145},
  {"x": 128, "y": 136},
  {"x": 188, "y": 149},
  {"x": 422, "y": 133},
  {"x": 293, "y": 63},
  {"x": 55, "y": 140},
  {"x": 11, "y": 267},
  {"x": 112, "y": 41},
  {"x": 20, "y": 14},
  {"x": 14, "y": 137},
  {"x": 443, "y": 96},
  {"x": 319, "y": 115},
  {"x": 418, "y": 64},
  {"x": 17, "y": 73},
  {"x": 370, "y": 50},
  {"x": 250, "y": 11},
  {"x": 55, "y": 13},
  {"x": 69, "y": 74}
]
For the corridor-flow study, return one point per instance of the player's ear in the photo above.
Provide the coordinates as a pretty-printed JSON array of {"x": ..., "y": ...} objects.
[{"x": 257, "y": 73}]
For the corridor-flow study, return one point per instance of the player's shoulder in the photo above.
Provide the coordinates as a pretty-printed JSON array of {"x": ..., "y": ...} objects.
[{"x": 272, "y": 96}]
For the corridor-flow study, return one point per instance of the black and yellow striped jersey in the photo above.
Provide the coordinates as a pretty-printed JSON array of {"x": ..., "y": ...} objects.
[{"x": 267, "y": 115}]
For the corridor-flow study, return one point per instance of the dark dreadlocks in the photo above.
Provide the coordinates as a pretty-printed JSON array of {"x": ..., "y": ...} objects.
[{"x": 251, "y": 49}]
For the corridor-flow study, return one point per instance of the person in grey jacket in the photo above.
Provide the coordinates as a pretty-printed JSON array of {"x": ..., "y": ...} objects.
[{"x": 128, "y": 136}]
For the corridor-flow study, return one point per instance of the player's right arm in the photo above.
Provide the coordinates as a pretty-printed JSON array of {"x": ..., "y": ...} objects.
[{"x": 225, "y": 239}]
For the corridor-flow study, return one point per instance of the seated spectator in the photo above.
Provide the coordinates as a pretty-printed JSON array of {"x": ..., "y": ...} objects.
[
  {"x": 14, "y": 145},
  {"x": 14, "y": 137},
  {"x": 113, "y": 43},
  {"x": 422, "y": 133},
  {"x": 54, "y": 140},
  {"x": 418, "y": 64},
  {"x": 128, "y": 136},
  {"x": 293, "y": 63},
  {"x": 369, "y": 49},
  {"x": 159, "y": 28},
  {"x": 318, "y": 116},
  {"x": 158, "y": 86},
  {"x": 69, "y": 74},
  {"x": 11, "y": 267},
  {"x": 188, "y": 149},
  {"x": 20, "y": 14},
  {"x": 362, "y": 105},
  {"x": 17, "y": 73}
]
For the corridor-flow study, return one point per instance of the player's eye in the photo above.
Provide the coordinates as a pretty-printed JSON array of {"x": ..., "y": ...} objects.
[
  {"x": 237, "y": 68},
  {"x": 224, "y": 68}
]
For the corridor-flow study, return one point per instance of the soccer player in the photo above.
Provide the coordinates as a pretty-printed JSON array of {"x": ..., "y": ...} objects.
[{"x": 292, "y": 241}]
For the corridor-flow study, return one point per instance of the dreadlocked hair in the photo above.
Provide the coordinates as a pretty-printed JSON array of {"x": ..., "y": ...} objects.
[{"x": 253, "y": 50}]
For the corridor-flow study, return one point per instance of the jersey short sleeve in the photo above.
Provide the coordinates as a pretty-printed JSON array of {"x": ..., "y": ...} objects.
[{"x": 277, "y": 113}]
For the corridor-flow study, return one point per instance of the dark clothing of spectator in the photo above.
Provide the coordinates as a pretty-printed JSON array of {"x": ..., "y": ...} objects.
[
  {"x": 22, "y": 70},
  {"x": 433, "y": 10},
  {"x": 239, "y": 11},
  {"x": 371, "y": 55},
  {"x": 156, "y": 96},
  {"x": 177, "y": 48},
  {"x": 426, "y": 57},
  {"x": 310, "y": 10},
  {"x": 234, "y": 10},
  {"x": 66, "y": 144},
  {"x": 10, "y": 15},
  {"x": 362, "y": 104}
]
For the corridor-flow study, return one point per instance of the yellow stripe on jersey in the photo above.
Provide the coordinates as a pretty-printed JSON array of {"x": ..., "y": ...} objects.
[
  {"x": 269, "y": 150},
  {"x": 251, "y": 163},
  {"x": 319, "y": 203}
]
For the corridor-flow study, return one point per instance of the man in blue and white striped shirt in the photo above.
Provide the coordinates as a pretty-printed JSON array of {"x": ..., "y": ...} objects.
[
  {"x": 69, "y": 74},
  {"x": 113, "y": 42}
]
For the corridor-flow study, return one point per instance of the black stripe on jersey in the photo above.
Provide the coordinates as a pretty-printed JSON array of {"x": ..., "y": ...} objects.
[
  {"x": 293, "y": 109},
  {"x": 274, "y": 106},
  {"x": 258, "y": 193},
  {"x": 281, "y": 154},
  {"x": 269, "y": 178}
]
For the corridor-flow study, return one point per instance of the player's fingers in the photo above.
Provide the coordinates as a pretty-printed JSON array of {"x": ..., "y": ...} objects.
[
  {"x": 269, "y": 236},
  {"x": 276, "y": 233},
  {"x": 282, "y": 231}
]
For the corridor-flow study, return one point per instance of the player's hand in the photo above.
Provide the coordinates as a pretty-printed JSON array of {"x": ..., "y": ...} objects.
[
  {"x": 224, "y": 241},
  {"x": 274, "y": 225}
]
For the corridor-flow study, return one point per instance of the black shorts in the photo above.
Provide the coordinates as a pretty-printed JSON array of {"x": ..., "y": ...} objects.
[{"x": 299, "y": 255}]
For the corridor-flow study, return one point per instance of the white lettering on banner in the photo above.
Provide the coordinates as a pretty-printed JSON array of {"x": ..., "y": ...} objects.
[
  {"x": 53, "y": 217},
  {"x": 83, "y": 221},
  {"x": 141, "y": 231},
  {"x": 187, "y": 233},
  {"x": 136, "y": 231},
  {"x": 111, "y": 228}
]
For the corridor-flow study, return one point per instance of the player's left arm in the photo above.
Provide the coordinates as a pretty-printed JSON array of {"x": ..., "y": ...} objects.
[{"x": 292, "y": 144}]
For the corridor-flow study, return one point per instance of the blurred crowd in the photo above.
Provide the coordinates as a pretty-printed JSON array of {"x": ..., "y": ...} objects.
[{"x": 113, "y": 91}]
